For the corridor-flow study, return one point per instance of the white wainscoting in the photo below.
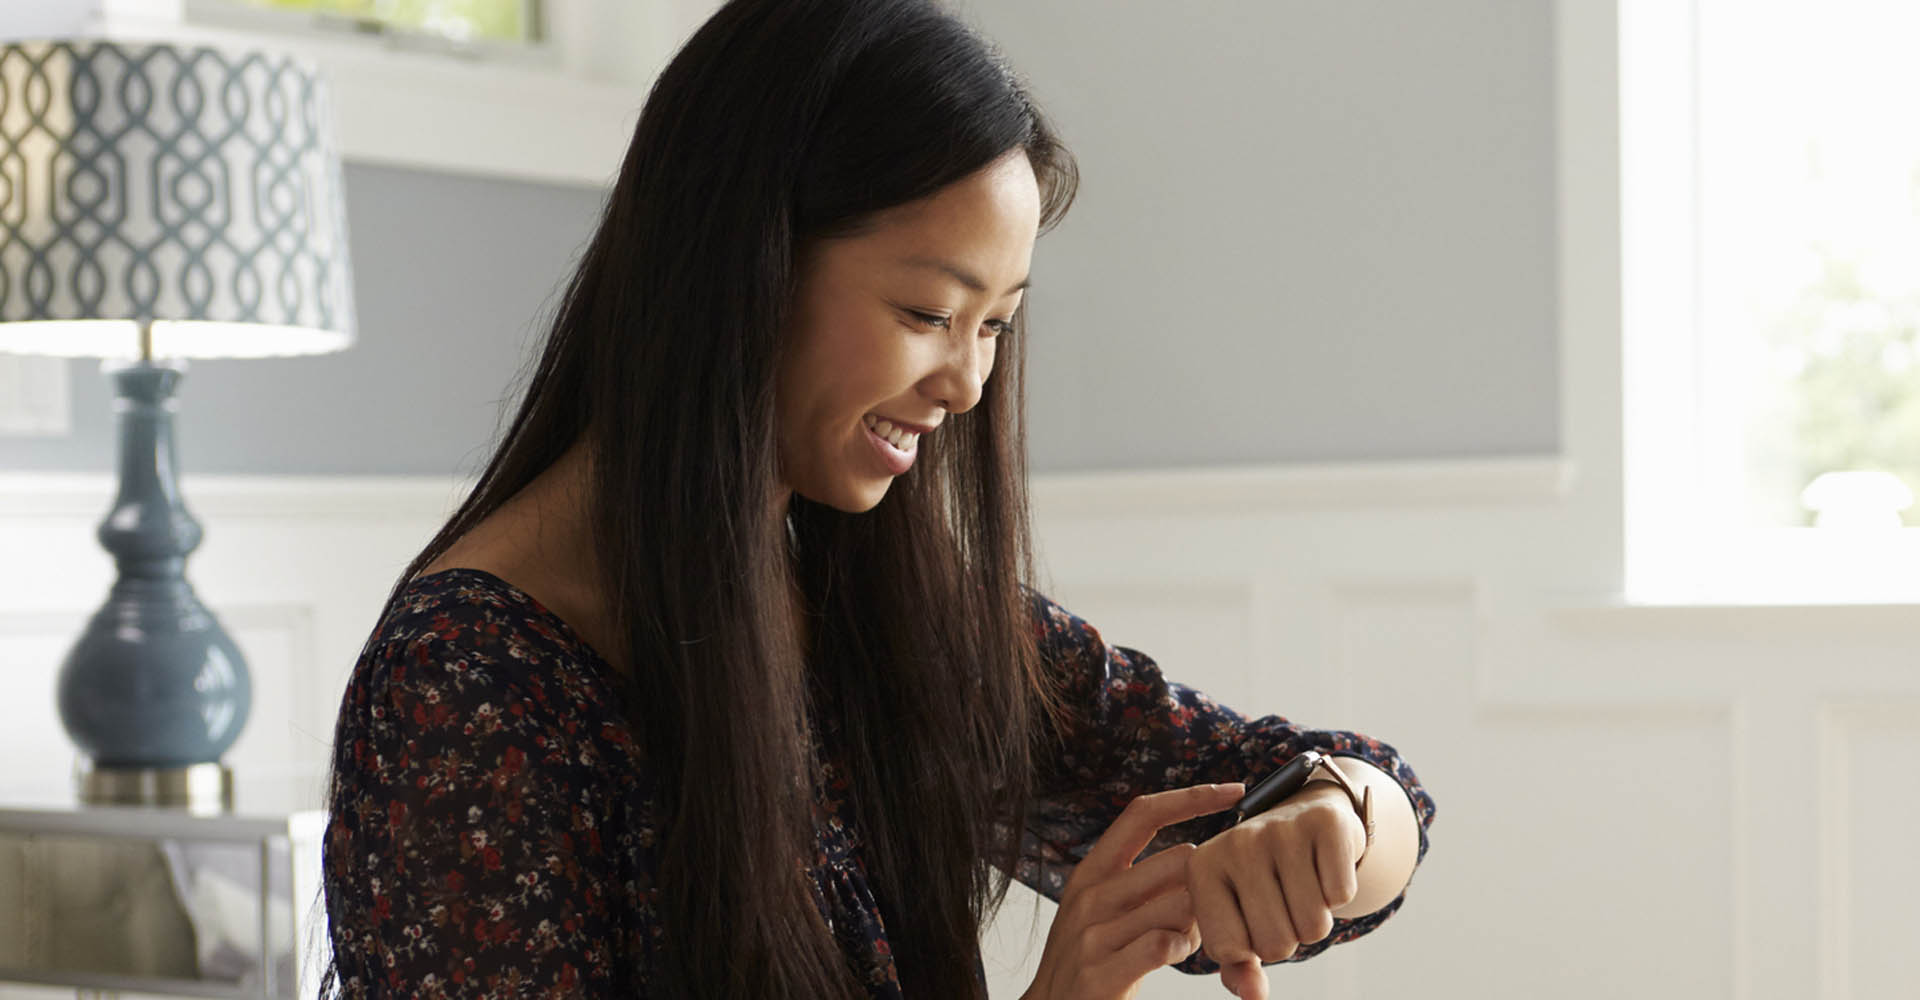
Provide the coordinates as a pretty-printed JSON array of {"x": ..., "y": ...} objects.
[
  {"x": 1663, "y": 802},
  {"x": 296, "y": 569}
]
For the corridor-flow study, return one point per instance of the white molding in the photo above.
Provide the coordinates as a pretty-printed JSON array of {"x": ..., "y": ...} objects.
[
  {"x": 1141, "y": 493},
  {"x": 1366, "y": 596},
  {"x": 1864, "y": 621},
  {"x": 1587, "y": 153},
  {"x": 1237, "y": 490},
  {"x": 423, "y": 112},
  {"x": 1844, "y": 801},
  {"x": 224, "y": 497},
  {"x": 1666, "y": 512}
]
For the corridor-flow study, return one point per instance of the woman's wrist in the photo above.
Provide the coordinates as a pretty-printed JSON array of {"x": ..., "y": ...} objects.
[
  {"x": 1385, "y": 869},
  {"x": 1358, "y": 795}
]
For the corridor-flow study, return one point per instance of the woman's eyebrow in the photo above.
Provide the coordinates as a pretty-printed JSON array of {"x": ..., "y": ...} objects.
[{"x": 960, "y": 274}]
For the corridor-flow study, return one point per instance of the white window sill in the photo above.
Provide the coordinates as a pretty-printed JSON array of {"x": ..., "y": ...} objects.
[
  {"x": 1790, "y": 621},
  {"x": 431, "y": 112},
  {"x": 1797, "y": 585},
  {"x": 1773, "y": 568}
]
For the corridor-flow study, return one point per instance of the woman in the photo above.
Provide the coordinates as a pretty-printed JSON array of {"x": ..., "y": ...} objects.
[{"x": 729, "y": 679}]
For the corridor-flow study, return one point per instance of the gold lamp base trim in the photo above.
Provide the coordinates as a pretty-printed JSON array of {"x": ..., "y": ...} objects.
[{"x": 198, "y": 788}]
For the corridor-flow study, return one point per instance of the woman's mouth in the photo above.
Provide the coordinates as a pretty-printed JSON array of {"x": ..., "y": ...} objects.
[{"x": 895, "y": 447}]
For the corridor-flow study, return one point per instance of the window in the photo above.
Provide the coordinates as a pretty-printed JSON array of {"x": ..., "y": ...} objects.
[
  {"x": 510, "y": 30},
  {"x": 460, "y": 20},
  {"x": 1770, "y": 196},
  {"x": 1810, "y": 249}
]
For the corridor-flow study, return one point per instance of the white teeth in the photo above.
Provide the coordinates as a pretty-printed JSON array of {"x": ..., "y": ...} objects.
[{"x": 898, "y": 437}]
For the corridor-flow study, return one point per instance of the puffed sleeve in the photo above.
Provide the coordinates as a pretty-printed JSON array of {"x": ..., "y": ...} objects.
[
  {"x": 1134, "y": 732},
  {"x": 470, "y": 849}
]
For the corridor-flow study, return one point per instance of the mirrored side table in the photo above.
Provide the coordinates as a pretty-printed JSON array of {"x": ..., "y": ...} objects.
[{"x": 163, "y": 901}]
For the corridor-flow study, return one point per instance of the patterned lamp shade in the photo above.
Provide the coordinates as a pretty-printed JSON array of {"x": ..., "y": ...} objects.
[{"x": 190, "y": 188}]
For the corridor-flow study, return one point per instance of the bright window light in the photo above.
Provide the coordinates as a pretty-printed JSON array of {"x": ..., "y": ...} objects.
[
  {"x": 458, "y": 20},
  {"x": 1809, "y": 253},
  {"x": 1770, "y": 269}
]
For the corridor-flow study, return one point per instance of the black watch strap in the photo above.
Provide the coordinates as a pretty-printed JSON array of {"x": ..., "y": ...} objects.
[
  {"x": 1306, "y": 767},
  {"x": 1276, "y": 787}
]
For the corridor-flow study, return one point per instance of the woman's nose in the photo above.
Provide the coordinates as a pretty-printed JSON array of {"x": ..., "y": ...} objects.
[{"x": 963, "y": 373}]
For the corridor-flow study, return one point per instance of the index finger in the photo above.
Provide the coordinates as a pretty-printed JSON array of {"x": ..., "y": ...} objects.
[{"x": 1143, "y": 817}]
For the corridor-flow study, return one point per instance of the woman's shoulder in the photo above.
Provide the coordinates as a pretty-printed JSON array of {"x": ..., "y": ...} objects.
[
  {"x": 477, "y": 609},
  {"x": 460, "y": 640}
]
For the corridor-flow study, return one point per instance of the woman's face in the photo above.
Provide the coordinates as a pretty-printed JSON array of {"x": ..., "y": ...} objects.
[{"x": 899, "y": 323}]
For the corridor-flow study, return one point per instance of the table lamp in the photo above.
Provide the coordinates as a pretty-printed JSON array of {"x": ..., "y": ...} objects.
[{"x": 157, "y": 203}]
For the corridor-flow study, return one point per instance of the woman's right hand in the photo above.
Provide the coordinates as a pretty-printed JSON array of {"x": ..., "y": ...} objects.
[{"x": 1117, "y": 920}]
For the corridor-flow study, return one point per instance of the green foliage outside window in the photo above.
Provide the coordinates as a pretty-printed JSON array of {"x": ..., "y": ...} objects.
[
  {"x": 1847, "y": 359},
  {"x": 466, "y": 20}
]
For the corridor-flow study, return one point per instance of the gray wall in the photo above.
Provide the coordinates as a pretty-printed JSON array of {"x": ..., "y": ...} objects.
[{"x": 1306, "y": 231}]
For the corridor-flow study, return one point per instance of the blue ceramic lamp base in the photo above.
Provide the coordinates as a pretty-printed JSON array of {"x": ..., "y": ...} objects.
[{"x": 154, "y": 691}]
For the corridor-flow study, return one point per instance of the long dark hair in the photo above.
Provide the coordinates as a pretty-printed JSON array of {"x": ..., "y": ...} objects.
[{"x": 782, "y": 122}]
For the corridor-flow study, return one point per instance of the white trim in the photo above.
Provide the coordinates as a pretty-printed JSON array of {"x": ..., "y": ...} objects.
[
  {"x": 1785, "y": 620},
  {"x": 421, "y": 112},
  {"x": 1587, "y": 113},
  {"x": 225, "y": 497},
  {"x": 1145, "y": 493},
  {"x": 1663, "y": 505},
  {"x": 1345, "y": 485}
]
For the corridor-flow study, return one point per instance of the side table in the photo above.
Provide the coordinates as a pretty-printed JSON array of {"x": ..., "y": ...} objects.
[{"x": 162, "y": 901}]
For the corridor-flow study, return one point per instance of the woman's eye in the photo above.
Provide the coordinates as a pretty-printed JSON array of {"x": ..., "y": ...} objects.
[
  {"x": 928, "y": 319},
  {"x": 999, "y": 326}
]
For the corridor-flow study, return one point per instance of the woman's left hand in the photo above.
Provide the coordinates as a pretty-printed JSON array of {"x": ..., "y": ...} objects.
[{"x": 1270, "y": 884}]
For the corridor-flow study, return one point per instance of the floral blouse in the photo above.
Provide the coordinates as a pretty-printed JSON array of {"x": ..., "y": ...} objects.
[{"x": 492, "y": 825}]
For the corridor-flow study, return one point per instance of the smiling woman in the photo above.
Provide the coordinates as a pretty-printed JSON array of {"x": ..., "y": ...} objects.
[
  {"x": 730, "y": 678},
  {"x": 889, "y": 336}
]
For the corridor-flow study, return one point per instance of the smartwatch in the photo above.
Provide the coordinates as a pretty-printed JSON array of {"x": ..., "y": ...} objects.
[{"x": 1306, "y": 767}]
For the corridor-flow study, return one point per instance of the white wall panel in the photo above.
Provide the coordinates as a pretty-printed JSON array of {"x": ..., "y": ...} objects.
[
  {"x": 32, "y": 742},
  {"x": 1869, "y": 871},
  {"x": 296, "y": 570},
  {"x": 1661, "y": 802}
]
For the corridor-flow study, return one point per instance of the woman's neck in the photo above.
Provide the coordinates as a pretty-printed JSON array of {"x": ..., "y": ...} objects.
[{"x": 542, "y": 540}]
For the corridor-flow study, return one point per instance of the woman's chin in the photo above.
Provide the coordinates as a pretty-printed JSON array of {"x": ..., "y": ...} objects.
[{"x": 857, "y": 499}]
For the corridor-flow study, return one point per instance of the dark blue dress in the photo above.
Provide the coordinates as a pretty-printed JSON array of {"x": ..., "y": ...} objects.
[{"x": 492, "y": 826}]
